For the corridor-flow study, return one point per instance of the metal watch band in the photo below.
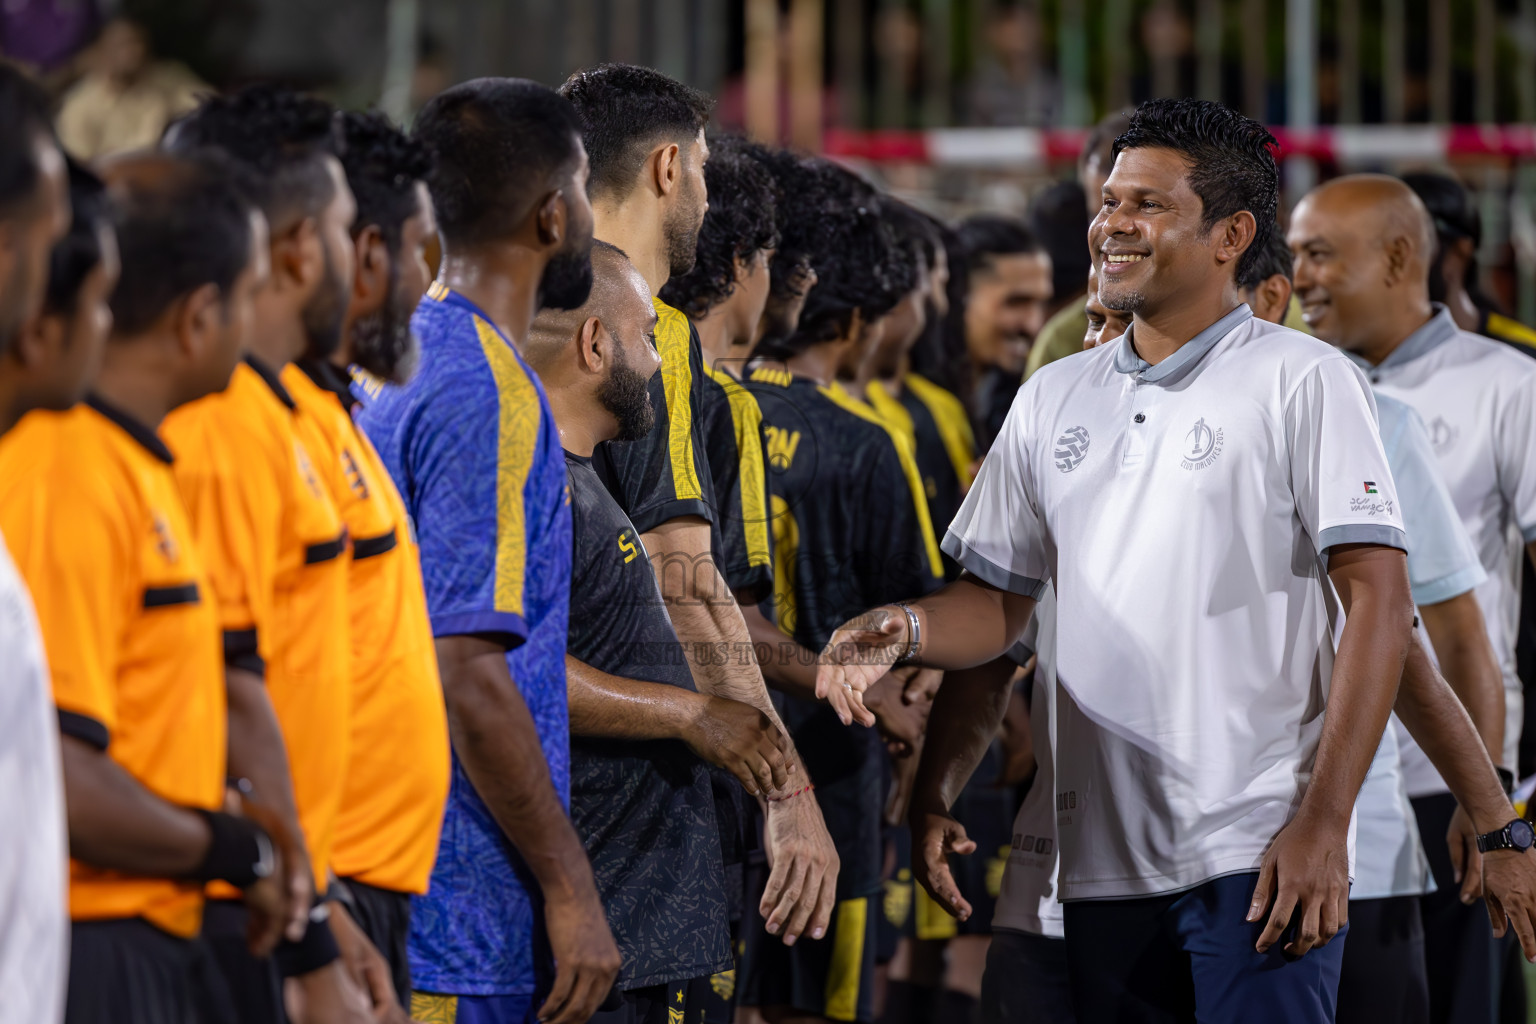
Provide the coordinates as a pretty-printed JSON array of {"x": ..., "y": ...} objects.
[
  {"x": 914, "y": 634},
  {"x": 1490, "y": 841}
]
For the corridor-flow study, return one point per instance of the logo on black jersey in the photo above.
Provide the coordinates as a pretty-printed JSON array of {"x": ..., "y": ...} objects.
[
  {"x": 1071, "y": 449},
  {"x": 1203, "y": 444},
  {"x": 781, "y": 446},
  {"x": 627, "y": 546}
]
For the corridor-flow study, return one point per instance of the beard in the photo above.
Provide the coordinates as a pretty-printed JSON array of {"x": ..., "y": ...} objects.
[
  {"x": 326, "y": 312},
  {"x": 1132, "y": 302},
  {"x": 626, "y": 394},
  {"x": 567, "y": 279},
  {"x": 383, "y": 342},
  {"x": 681, "y": 229}
]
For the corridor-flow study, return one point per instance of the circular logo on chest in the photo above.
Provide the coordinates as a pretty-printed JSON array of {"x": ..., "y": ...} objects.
[
  {"x": 1071, "y": 449},
  {"x": 1201, "y": 445}
]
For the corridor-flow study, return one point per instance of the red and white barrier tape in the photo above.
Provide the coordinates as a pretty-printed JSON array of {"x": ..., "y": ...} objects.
[{"x": 1027, "y": 148}]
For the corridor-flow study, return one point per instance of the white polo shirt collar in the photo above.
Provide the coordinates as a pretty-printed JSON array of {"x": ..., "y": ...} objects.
[
  {"x": 1191, "y": 352},
  {"x": 1437, "y": 330}
]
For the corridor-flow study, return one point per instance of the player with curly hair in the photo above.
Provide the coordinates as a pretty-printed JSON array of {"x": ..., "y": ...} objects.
[{"x": 849, "y": 519}]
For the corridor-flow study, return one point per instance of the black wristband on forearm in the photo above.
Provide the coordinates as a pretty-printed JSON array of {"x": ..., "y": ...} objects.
[
  {"x": 315, "y": 950},
  {"x": 240, "y": 852},
  {"x": 1507, "y": 780}
]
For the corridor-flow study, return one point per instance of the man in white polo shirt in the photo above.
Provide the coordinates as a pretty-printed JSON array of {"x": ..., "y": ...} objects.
[
  {"x": 1363, "y": 245},
  {"x": 1190, "y": 490}
]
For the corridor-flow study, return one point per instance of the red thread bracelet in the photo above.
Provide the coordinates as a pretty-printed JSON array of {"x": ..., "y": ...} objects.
[{"x": 781, "y": 799}]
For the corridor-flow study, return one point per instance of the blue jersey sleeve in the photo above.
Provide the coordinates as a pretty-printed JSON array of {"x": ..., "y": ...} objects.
[{"x": 1442, "y": 562}]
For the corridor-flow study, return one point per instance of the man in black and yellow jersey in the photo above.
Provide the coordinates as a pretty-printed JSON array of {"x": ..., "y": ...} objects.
[
  {"x": 89, "y": 503},
  {"x": 275, "y": 546},
  {"x": 397, "y": 767},
  {"x": 644, "y": 134},
  {"x": 849, "y": 517}
]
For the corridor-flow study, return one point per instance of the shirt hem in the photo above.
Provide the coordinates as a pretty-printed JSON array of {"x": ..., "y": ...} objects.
[
  {"x": 672, "y": 974},
  {"x": 439, "y": 987},
  {"x": 1161, "y": 885},
  {"x": 1447, "y": 587},
  {"x": 989, "y": 571},
  {"x": 508, "y": 625},
  {"x": 650, "y": 518}
]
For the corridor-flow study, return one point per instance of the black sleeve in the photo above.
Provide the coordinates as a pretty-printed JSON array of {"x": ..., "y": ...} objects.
[
  {"x": 733, "y": 446},
  {"x": 664, "y": 475},
  {"x": 895, "y": 559}
]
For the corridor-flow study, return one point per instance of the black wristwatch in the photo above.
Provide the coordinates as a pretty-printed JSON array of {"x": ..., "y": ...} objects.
[{"x": 1517, "y": 835}]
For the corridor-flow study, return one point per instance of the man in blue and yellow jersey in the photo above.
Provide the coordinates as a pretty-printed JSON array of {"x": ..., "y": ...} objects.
[
  {"x": 644, "y": 133},
  {"x": 850, "y": 518},
  {"x": 473, "y": 449},
  {"x": 89, "y": 502},
  {"x": 397, "y": 765},
  {"x": 275, "y": 546}
]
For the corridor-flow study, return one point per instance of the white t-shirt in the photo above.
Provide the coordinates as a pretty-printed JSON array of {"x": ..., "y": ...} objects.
[
  {"x": 34, "y": 851},
  {"x": 1182, "y": 511},
  {"x": 1027, "y": 901},
  {"x": 1477, "y": 397}
]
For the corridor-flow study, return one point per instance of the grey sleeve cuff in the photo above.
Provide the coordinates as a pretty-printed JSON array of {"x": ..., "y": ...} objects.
[
  {"x": 1528, "y": 533},
  {"x": 973, "y": 562},
  {"x": 1362, "y": 533},
  {"x": 1447, "y": 587}
]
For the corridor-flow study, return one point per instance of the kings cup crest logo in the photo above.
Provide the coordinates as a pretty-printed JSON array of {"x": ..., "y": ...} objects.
[
  {"x": 1071, "y": 449},
  {"x": 1202, "y": 445}
]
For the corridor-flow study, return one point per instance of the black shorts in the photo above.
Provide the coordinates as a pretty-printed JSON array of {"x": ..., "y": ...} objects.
[
  {"x": 385, "y": 917},
  {"x": 897, "y": 894},
  {"x": 1026, "y": 979},
  {"x": 127, "y": 971},
  {"x": 659, "y": 1004},
  {"x": 1460, "y": 951},
  {"x": 831, "y": 977},
  {"x": 249, "y": 989},
  {"x": 1384, "y": 976}
]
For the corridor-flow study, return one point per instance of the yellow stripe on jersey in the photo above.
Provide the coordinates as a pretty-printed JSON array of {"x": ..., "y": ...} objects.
[
  {"x": 765, "y": 375},
  {"x": 954, "y": 425},
  {"x": 1502, "y": 327},
  {"x": 672, "y": 340},
  {"x": 438, "y": 291},
  {"x": 846, "y": 969},
  {"x": 517, "y": 435},
  {"x": 908, "y": 466},
  {"x": 892, "y": 411},
  {"x": 933, "y": 923},
  {"x": 786, "y": 545},
  {"x": 431, "y": 1008},
  {"x": 748, "y": 421}
]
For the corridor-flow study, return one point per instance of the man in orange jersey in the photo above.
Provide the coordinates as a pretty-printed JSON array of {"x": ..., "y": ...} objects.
[
  {"x": 398, "y": 765},
  {"x": 89, "y": 501},
  {"x": 275, "y": 545}
]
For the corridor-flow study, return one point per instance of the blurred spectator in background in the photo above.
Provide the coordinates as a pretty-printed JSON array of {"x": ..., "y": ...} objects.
[
  {"x": 1453, "y": 277},
  {"x": 127, "y": 96},
  {"x": 1015, "y": 85},
  {"x": 1094, "y": 162},
  {"x": 1059, "y": 218},
  {"x": 1009, "y": 279},
  {"x": 1169, "y": 41},
  {"x": 44, "y": 35}
]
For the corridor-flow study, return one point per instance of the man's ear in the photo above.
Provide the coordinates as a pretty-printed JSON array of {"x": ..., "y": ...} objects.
[
  {"x": 594, "y": 346},
  {"x": 1275, "y": 296},
  {"x": 666, "y": 166},
  {"x": 198, "y": 318},
  {"x": 1236, "y": 235},
  {"x": 39, "y": 340},
  {"x": 552, "y": 215},
  {"x": 298, "y": 257},
  {"x": 370, "y": 285},
  {"x": 1398, "y": 251}
]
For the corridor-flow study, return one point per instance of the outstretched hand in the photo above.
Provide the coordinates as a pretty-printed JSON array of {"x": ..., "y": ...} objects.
[{"x": 861, "y": 651}]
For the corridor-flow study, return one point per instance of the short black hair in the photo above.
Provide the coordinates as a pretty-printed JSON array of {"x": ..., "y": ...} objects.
[
  {"x": 23, "y": 120},
  {"x": 79, "y": 252},
  {"x": 915, "y": 228},
  {"x": 1059, "y": 218},
  {"x": 985, "y": 236},
  {"x": 1274, "y": 259},
  {"x": 800, "y": 191},
  {"x": 383, "y": 165},
  {"x": 182, "y": 223},
  {"x": 1450, "y": 206},
  {"x": 941, "y": 354},
  {"x": 626, "y": 110},
  {"x": 500, "y": 145},
  {"x": 281, "y": 135},
  {"x": 1231, "y": 161},
  {"x": 861, "y": 264},
  {"x": 741, "y": 221}
]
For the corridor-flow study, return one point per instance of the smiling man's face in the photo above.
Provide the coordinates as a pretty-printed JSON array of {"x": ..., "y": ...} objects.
[
  {"x": 1340, "y": 270},
  {"x": 1147, "y": 240}
]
